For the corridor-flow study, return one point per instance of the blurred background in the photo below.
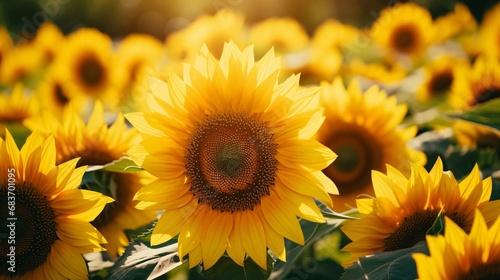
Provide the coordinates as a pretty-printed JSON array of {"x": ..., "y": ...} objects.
[{"x": 159, "y": 17}]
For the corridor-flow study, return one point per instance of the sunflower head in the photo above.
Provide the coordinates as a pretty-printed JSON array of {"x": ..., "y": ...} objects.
[
  {"x": 440, "y": 76},
  {"x": 489, "y": 32},
  {"x": 477, "y": 84},
  {"x": 15, "y": 107},
  {"x": 51, "y": 215},
  {"x": 20, "y": 64},
  {"x": 48, "y": 39},
  {"x": 96, "y": 144},
  {"x": 84, "y": 64},
  {"x": 361, "y": 128},
  {"x": 6, "y": 47},
  {"x": 236, "y": 164},
  {"x": 405, "y": 208},
  {"x": 385, "y": 71},
  {"x": 462, "y": 255},
  {"x": 472, "y": 135},
  {"x": 403, "y": 28},
  {"x": 455, "y": 23},
  {"x": 286, "y": 35},
  {"x": 211, "y": 30}
]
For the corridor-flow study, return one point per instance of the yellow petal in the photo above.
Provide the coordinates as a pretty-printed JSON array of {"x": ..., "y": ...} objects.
[
  {"x": 254, "y": 240},
  {"x": 171, "y": 222},
  {"x": 215, "y": 239},
  {"x": 283, "y": 222}
]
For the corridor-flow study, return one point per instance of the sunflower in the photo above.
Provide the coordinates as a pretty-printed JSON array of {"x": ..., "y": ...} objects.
[
  {"x": 96, "y": 144},
  {"x": 286, "y": 35},
  {"x": 48, "y": 40},
  {"x": 212, "y": 30},
  {"x": 15, "y": 107},
  {"x": 135, "y": 52},
  {"x": 20, "y": 64},
  {"x": 458, "y": 255},
  {"x": 405, "y": 208},
  {"x": 51, "y": 215},
  {"x": 384, "y": 71},
  {"x": 85, "y": 66},
  {"x": 53, "y": 95},
  {"x": 440, "y": 75},
  {"x": 334, "y": 34},
  {"x": 454, "y": 24},
  {"x": 403, "y": 28},
  {"x": 236, "y": 164},
  {"x": 476, "y": 85},
  {"x": 6, "y": 47},
  {"x": 473, "y": 135},
  {"x": 489, "y": 32},
  {"x": 361, "y": 128}
]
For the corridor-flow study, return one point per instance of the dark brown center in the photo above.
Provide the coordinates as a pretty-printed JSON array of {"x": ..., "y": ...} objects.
[
  {"x": 484, "y": 272},
  {"x": 59, "y": 95},
  {"x": 231, "y": 162},
  {"x": 32, "y": 233},
  {"x": 404, "y": 39},
  {"x": 357, "y": 156},
  {"x": 487, "y": 95},
  {"x": 91, "y": 71},
  {"x": 413, "y": 229},
  {"x": 440, "y": 83}
]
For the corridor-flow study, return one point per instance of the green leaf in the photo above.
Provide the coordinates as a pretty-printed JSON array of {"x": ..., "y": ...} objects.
[
  {"x": 142, "y": 233},
  {"x": 487, "y": 113},
  {"x": 122, "y": 165},
  {"x": 19, "y": 132},
  {"x": 299, "y": 258},
  {"x": 141, "y": 261},
  {"x": 386, "y": 265},
  {"x": 437, "y": 227},
  {"x": 330, "y": 214},
  {"x": 226, "y": 268}
]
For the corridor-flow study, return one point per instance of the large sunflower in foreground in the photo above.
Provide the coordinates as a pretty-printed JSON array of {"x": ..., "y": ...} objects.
[
  {"x": 404, "y": 209},
  {"x": 96, "y": 144},
  {"x": 404, "y": 28},
  {"x": 458, "y": 255},
  {"x": 361, "y": 128},
  {"x": 51, "y": 215},
  {"x": 234, "y": 158},
  {"x": 85, "y": 65}
]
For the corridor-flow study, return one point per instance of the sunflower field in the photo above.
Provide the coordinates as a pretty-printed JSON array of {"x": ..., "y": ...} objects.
[{"x": 232, "y": 139}]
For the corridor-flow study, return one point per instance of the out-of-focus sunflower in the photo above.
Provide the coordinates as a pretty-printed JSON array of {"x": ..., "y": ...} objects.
[
  {"x": 6, "y": 47},
  {"x": 477, "y": 84},
  {"x": 440, "y": 75},
  {"x": 472, "y": 135},
  {"x": 20, "y": 64},
  {"x": 361, "y": 128},
  {"x": 385, "y": 71},
  {"x": 135, "y": 53},
  {"x": 489, "y": 32},
  {"x": 52, "y": 214},
  {"x": 334, "y": 34},
  {"x": 96, "y": 144},
  {"x": 54, "y": 96},
  {"x": 212, "y": 30},
  {"x": 458, "y": 255},
  {"x": 15, "y": 107},
  {"x": 286, "y": 35},
  {"x": 315, "y": 65},
  {"x": 85, "y": 66},
  {"x": 236, "y": 164},
  {"x": 48, "y": 40},
  {"x": 404, "y": 209},
  {"x": 454, "y": 23},
  {"x": 403, "y": 28}
]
